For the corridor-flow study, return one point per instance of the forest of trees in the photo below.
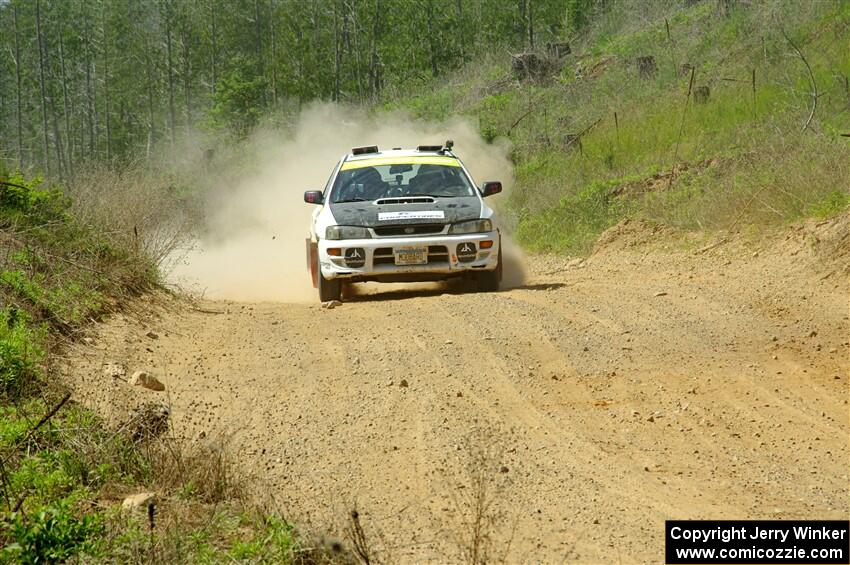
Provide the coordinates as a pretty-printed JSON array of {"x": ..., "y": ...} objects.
[{"x": 84, "y": 80}]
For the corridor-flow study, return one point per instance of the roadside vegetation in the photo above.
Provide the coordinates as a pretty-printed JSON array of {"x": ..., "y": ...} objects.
[
  {"x": 63, "y": 472},
  {"x": 736, "y": 120}
]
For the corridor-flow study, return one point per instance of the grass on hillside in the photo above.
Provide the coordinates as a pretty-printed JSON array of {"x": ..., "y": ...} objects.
[
  {"x": 743, "y": 158},
  {"x": 63, "y": 472}
]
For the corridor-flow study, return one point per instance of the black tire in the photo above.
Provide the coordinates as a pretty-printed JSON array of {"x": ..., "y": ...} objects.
[
  {"x": 328, "y": 289},
  {"x": 488, "y": 281}
]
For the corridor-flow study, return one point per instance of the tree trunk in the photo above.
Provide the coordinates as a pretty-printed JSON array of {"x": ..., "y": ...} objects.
[
  {"x": 106, "y": 99},
  {"x": 57, "y": 141},
  {"x": 91, "y": 95},
  {"x": 521, "y": 27},
  {"x": 273, "y": 41},
  {"x": 42, "y": 86},
  {"x": 151, "y": 118},
  {"x": 432, "y": 40},
  {"x": 530, "y": 14},
  {"x": 70, "y": 145},
  {"x": 258, "y": 39},
  {"x": 337, "y": 52},
  {"x": 187, "y": 73},
  {"x": 356, "y": 47},
  {"x": 374, "y": 61},
  {"x": 170, "y": 64},
  {"x": 461, "y": 36},
  {"x": 214, "y": 50},
  {"x": 91, "y": 102},
  {"x": 18, "y": 90}
]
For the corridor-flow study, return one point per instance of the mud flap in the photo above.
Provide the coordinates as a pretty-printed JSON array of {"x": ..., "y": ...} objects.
[{"x": 313, "y": 261}]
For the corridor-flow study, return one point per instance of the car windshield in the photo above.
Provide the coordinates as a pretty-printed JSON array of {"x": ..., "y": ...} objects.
[{"x": 368, "y": 183}]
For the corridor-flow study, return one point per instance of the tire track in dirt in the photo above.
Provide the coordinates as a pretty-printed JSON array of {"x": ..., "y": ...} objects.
[{"x": 642, "y": 385}]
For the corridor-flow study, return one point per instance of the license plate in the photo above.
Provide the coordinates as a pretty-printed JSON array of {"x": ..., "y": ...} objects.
[{"x": 411, "y": 255}]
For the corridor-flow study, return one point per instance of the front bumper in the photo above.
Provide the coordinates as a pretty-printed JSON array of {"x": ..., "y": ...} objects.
[{"x": 379, "y": 257}]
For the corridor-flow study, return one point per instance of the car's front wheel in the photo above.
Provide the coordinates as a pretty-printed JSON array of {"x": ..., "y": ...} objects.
[
  {"x": 329, "y": 289},
  {"x": 488, "y": 281}
]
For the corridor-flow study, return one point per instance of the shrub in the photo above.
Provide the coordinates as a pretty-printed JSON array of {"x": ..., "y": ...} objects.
[
  {"x": 51, "y": 535},
  {"x": 20, "y": 353},
  {"x": 574, "y": 224}
]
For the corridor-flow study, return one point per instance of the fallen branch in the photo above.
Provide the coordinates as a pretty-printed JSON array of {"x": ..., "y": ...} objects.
[
  {"x": 582, "y": 132},
  {"x": 358, "y": 538},
  {"x": 207, "y": 310},
  {"x": 518, "y": 120},
  {"x": 684, "y": 113},
  {"x": 710, "y": 247},
  {"x": 26, "y": 438},
  {"x": 49, "y": 415},
  {"x": 814, "y": 84}
]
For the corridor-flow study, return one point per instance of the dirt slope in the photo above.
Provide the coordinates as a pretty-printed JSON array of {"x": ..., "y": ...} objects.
[{"x": 603, "y": 397}]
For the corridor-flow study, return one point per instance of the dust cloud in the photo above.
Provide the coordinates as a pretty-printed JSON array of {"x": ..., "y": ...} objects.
[{"x": 255, "y": 222}]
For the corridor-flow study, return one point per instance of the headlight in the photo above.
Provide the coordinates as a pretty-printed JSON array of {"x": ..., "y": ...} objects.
[
  {"x": 474, "y": 226},
  {"x": 347, "y": 232}
]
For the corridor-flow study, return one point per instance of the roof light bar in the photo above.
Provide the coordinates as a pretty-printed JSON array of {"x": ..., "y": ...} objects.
[
  {"x": 429, "y": 148},
  {"x": 364, "y": 150}
]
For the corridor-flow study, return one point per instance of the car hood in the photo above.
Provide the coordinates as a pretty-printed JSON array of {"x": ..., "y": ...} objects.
[{"x": 372, "y": 214}]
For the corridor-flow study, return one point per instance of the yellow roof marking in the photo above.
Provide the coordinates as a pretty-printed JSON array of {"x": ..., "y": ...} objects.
[{"x": 412, "y": 160}]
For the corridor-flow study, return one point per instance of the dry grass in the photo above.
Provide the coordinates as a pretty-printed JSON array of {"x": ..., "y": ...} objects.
[
  {"x": 136, "y": 208},
  {"x": 484, "y": 529},
  {"x": 200, "y": 470}
]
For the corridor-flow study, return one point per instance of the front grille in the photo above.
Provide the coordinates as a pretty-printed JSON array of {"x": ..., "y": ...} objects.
[
  {"x": 383, "y": 256},
  {"x": 415, "y": 229},
  {"x": 436, "y": 254}
]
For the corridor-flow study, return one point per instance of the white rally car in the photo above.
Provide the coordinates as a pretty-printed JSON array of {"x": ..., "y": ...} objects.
[{"x": 402, "y": 216}]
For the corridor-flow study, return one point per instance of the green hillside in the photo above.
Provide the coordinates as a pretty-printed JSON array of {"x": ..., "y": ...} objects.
[{"x": 756, "y": 152}]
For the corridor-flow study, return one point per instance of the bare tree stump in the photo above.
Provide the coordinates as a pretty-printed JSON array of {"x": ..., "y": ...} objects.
[
  {"x": 646, "y": 66},
  {"x": 571, "y": 141},
  {"x": 725, "y": 7},
  {"x": 526, "y": 65},
  {"x": 558, "y": 49},
  {"x": 702, "y": 94}
]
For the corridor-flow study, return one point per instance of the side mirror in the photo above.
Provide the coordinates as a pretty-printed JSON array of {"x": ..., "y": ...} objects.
[
  {"x": 490, "y": 188},
  {"x": 314, "y": 197}
]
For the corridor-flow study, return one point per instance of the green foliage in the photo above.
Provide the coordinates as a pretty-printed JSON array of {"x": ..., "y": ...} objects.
[
  {"x": 21, "y": 353},
  {"x": 239, "y": 101},
  {"x": 574, "y": 224},
  {"x": 740, "y": 158},
  {"x": 125, "y": 77},
  {"x": 273, "y": 541},
  {"x": 830, "y": 205},
  {"x": 63, "y": 304},
  {"x": 52, "y": 534},
  {"x": 59, "y": 270},
  {"x": 24, "y": 201},
  {"x": 578, "y": 13}
]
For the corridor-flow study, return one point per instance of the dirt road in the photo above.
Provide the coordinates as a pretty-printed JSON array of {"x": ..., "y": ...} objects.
[{"x": 659, "y": 379}]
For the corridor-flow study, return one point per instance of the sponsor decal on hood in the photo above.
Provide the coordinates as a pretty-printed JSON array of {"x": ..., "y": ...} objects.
[
  {"x": 370, "y": 214},
  {"x": 424, "y": 215}
]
